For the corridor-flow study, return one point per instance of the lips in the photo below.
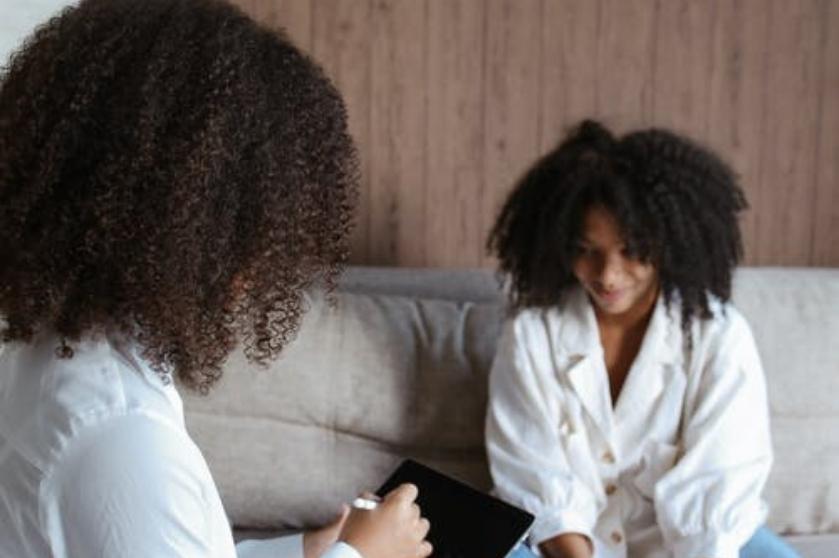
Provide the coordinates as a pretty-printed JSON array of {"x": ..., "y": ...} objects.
[{"x": 609, "y": 296}]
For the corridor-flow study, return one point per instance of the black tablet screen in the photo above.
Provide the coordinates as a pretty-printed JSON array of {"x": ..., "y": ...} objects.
[{"x": 465, "y": 523}]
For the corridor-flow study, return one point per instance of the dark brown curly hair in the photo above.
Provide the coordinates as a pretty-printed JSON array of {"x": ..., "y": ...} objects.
[
  {"x": 171, "y": 170},
  {"x": 677, "y": 204}
]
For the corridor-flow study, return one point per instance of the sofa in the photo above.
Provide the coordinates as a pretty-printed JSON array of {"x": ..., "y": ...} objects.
[{"x": 395, "y": 364}]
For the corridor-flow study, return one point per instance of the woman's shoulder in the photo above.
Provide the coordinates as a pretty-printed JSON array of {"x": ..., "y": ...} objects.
[
  {"x": 47, "y": 400},
  {"x": 724, "y": 322},
  {"x": 566, "y": 328}
]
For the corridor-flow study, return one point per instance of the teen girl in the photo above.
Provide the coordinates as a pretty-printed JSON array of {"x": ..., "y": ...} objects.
[{"x": 628, "y": 407}]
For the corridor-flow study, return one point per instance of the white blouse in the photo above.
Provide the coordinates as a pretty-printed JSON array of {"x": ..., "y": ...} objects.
[
  {"x": 95, "y": 461},
  {"x": 675, "y": 469}
]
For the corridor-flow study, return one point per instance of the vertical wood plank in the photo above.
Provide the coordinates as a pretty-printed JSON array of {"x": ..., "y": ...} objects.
[
  {"x": 398, "y": 134},
  {"x": 789, "y": 143},
  {"x": 682, "y": 71},
  {"x": 512, "y": 100},
  {"x": 294, "y": 17},
  {"x": 625, "y": 63},
  {"x": 736, "y": 116},
  {"x": 569, "y": 72},
  {"x": 454, "y": 164},
  {"x": 341, "y": 34},
  {"x": 826, "y": 222}
]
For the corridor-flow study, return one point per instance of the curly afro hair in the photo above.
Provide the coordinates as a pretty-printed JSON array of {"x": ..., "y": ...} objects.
[
  {"x": 172, "y": 171},
  {"x": 677, "y": 205}
]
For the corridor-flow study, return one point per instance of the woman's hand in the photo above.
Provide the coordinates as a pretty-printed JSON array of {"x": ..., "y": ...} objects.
[
  {"x": 394, "y": 529},
  {"x": 318, "y": 541},
  {"x": 567, "y": 545}
]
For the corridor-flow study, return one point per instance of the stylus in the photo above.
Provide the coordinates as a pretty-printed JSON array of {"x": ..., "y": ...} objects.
[{"x": 365, "y": 503}]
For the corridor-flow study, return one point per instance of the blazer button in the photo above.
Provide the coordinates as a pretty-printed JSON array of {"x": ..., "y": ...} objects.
[
  {"x": 611, "y": 489},
  {"x": 608, "y": 458},
  {"x": 617, "y": 538}
]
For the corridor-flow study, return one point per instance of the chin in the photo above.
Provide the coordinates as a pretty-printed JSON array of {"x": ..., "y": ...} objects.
[{"x": 614, "y": 309}]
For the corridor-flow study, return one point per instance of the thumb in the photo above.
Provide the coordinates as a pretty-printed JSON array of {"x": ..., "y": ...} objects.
[{"x": 342, "y": 516}]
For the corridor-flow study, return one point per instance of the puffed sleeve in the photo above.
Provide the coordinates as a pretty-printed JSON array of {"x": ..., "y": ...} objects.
[
  {"x": 527, "y": 460},
  {"x": 710, "y": 503}
]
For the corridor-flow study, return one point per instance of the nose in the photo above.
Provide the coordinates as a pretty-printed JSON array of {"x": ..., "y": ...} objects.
[{"x": 610, "y": 272}]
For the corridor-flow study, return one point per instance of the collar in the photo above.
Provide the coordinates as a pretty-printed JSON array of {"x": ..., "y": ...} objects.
[
  {"x": 579, "y": 335},
  {"x": 660, "y": 355}
]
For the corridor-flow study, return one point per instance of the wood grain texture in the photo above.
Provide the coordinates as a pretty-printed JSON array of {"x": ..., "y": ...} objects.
[
  {"x": 398, "y": 132},
  {"x": 825, "y": 240},
  {"x": 512, "y": 101},
  {"x": 783, "y": 212},
  {"x": 737, "y": 109},
  {"x": 341, "y": 31},
  {"x": 570, "y": 79},
  {"x": 293, "y": 17},
  {"x": 451, "y": 100},
  {"x": 454, "y": 185},
  {"x": 626, "y": 48}
]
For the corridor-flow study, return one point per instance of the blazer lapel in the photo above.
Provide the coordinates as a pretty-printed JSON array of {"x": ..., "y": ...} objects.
[
  {"x": 652, "y": 369},
  {"x": 585, "y": 369}
]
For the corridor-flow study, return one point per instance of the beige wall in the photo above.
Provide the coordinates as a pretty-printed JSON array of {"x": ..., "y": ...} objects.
[{"x": 450, "y": 100}]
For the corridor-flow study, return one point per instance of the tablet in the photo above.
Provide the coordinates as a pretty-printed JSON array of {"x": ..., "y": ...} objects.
[{"x": 465, "y": 523}]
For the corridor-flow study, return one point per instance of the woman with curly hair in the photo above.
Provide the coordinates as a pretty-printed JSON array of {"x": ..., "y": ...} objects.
[
  {"x": 628, "y": 407},
  {"x": 172, "y": 177}
]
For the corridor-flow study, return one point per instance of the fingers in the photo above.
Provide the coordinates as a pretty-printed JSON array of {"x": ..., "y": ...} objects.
[
  {"x": 424, "y": 527},
  {"x": 415, "y": 511},
  {"x": 403, "y": 493},
  {"x": 425, "y": 549}
]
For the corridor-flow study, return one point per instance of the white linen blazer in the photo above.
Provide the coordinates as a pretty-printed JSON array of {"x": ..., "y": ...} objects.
[{"x": 675, "y": 469}]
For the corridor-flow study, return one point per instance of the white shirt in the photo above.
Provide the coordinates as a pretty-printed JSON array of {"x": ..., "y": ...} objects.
[
  {"x": 95, "y": 461},
  {"x": 676, "y": 469}
]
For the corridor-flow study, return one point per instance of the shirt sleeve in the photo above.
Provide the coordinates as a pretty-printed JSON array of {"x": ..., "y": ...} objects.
[
  {"x": 131, "y": 487},
  {"x": 289, "y": 547},
  {"x": 710, "y": 503},
  {"x": 527, "y": 460}
]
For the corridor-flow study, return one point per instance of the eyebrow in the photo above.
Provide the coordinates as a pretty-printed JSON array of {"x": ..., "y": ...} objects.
[{"x": 587, "y": 241}]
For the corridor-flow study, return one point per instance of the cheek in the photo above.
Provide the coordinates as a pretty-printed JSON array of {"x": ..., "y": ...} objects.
[
  {"x": 582, "y": 271},
  {"x": 644, "y": 274}
]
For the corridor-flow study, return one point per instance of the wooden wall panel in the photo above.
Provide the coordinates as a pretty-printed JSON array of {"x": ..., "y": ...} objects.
[
  {"x": 784, "y": 210},
  {"x": 569, "y": 69},
  {"x": 455, "y": 135},
  {"x": 737, "y": 111},
  {"x": 512, "y": 96},
  {"x": 682, "y": 62},
  {"x": 341, "y": 32},
  {"x": 398, "y": 132},
  {"x": 826, "y": 228},
  {"x": 292, "y": 16},
  {"x": 451, "y": 100},
  {"x": 626, "y": 43}
]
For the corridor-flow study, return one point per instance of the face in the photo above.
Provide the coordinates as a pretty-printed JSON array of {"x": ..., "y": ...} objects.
[{"x": 616, "y": 281}]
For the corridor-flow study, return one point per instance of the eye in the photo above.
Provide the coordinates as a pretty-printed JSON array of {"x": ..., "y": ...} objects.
[{"x": 630, "y": 252}]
